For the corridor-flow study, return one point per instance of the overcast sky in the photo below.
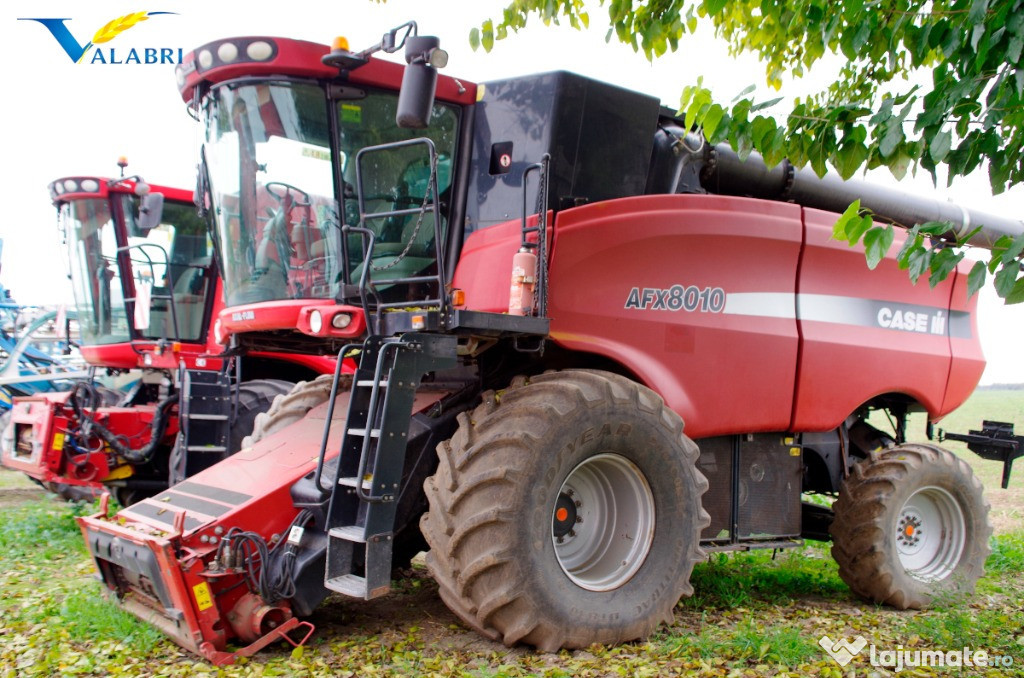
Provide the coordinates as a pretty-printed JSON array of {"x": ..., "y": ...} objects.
[{"x": 65, "y": 119}]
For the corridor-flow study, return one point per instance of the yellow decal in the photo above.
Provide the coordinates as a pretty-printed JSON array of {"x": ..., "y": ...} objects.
[
  {"x": 202, "y": 593},
  {"x": 794, "y": 451},
  {"x": 58, "y": 442},
  {"x": 120, "y": 472}
]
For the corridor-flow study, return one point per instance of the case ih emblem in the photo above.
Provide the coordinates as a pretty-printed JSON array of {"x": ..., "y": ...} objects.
[
  {"x": 912, "y": 321},
  {"x": 677, "y": 298}
]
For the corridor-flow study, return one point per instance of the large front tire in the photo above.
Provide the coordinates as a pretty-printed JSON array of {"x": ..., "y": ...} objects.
[
  {"x": 566, "y": 511},
  {"x": 911, "y": 525}
]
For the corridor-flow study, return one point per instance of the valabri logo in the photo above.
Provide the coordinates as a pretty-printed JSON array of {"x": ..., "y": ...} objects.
[{"x": 79, "y": 53}]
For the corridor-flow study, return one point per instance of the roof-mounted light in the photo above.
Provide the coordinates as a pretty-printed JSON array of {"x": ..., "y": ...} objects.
[
  {"x": 227, "y": 52},
  {"x": 260, "y": 50}
]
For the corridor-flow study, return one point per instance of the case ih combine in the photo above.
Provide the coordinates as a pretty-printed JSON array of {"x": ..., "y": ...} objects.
[
  {"x": 522, "y": 381},
  {"x": 146, "y": 289}
]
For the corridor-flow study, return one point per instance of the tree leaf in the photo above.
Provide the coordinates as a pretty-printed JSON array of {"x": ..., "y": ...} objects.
[
  {"x": 917, "y": 262},
  {"x": 711, "y": 120},
  {"x": 858, "y": 227},
  {"x": 877, "y": 242},
  {"x": 1013, "y": 250},
  {"x": 940, "y": 144},
  {"x": 713, "y": 7},
  {"x": 1016, "y": 295},
  {"x": 1006, "y": 278},
  {"x": 474, "y": 38},
  {"x": 839, "y": 228},
  {"x": 943, "y": 263},
  {"x": 976, "y": 278}
]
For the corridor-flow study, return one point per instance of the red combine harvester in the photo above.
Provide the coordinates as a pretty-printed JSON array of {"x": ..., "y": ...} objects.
[
  {"x": 146, "y": 289},
  {"x": 549, "y": 360}
]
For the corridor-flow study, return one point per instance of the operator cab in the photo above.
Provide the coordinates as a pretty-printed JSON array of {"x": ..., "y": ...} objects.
[
  {"x": 318, "y": 198},
  {"x": 137, "y": 283}
]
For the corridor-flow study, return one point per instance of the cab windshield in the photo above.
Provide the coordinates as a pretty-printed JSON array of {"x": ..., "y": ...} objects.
[
  {"x": 171, "y": 272},
  {"x": 130, "y": 284},
  {"x": 271, "y": 164},
  {"x": 91, "y": 236}
]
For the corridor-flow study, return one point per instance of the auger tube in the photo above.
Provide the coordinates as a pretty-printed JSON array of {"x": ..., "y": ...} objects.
[{"x": 722, "y": 172}]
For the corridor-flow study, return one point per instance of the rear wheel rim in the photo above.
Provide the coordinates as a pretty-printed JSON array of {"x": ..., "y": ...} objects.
[
  {"x": 603, "y": 522},
  {"x": 930, "y": 534}
]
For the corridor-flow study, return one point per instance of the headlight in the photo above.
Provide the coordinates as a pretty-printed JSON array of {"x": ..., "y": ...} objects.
[
  {"x": 316, "y": 322},
  {"x": 341, "y": 320}
]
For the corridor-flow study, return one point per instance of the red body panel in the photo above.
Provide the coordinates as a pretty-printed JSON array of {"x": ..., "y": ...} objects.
[
  {"x": 847, "y": 357},
  {"x": 967, "y": 362},
  {"x": 285, "y": 314},
  {"x": 782, "y": 353}
]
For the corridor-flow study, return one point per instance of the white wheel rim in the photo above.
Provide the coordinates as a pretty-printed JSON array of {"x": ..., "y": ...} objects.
[
  {"x": 603, "y": 522},
  {"x": 930, "y": 534}
]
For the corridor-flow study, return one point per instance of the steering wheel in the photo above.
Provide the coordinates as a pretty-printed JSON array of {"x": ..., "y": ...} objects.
[{"x": 287, "y": 188}]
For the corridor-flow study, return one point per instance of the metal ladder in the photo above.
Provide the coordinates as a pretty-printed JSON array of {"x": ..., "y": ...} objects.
[
  {"x": 430, "y": 205},
  {"x": 368, "y": 474},
  {"x": 205, "y": 420}
]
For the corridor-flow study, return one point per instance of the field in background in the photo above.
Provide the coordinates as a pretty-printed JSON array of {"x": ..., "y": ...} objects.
[
  {"x": 994, "y": 404},
  {"x": 751, "y": 614}
]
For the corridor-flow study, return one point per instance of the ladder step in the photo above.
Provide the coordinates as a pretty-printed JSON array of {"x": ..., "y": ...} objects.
[
  {"x": 209, "y": 417},
  {"x": 355, "y": 586},
  {"x": 369, "y": 382},
  {"x": 374, "y": 433},
  {"x": 206, "y": 448},
  {"x": 351, "y": 482},
  {"x": 353, "y": 533},
  {"x": 349, "y": 584}
]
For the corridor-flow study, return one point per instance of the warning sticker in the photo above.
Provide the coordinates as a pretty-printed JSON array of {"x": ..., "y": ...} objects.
[
  {"x": 204, "y": 600},
  {"x": 58, "y": 442}
]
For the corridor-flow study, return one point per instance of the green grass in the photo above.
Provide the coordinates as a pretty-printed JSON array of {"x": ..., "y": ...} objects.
[
  {"x": 757, "y": 579},
  {"x": 41, "y": 531},
  {"x": 751, "y": 614},
  {"x": 89, "y": 617}
]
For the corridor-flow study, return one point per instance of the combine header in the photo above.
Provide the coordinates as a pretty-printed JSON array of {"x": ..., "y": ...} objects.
[
  {"x": 535, "y": 439},
  {"x": 146, "y": 289}
]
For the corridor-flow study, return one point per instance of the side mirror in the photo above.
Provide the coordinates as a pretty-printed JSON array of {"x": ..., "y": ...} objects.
[
  {"x": 424, "y": 56},
  {"x": 151, "y": 210}
]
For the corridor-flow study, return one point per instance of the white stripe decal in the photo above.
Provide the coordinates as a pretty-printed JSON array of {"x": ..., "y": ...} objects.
[
  {"x": 829, "y": 308},
  {"x": 762, "y": 304}
]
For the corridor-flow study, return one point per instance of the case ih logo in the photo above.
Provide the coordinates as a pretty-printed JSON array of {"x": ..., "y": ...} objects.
[{"x": 110, "y": 30}]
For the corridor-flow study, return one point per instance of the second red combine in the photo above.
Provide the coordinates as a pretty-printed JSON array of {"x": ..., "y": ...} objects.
[{"x": 147, "y": 291}]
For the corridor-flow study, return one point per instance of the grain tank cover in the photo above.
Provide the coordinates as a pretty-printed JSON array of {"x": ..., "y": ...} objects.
[{"x": 599, "y": 137}]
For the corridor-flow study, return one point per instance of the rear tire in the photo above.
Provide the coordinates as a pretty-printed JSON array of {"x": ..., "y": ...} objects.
[
  {"x": 566, "y": 511},
  {"x": 293, "y": 405},
  {"x": 911, "y": 526}
]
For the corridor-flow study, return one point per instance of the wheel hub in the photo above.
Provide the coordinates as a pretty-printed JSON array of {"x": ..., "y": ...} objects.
[
  {"x": 602, "y": 522},
  {"x": 930, "y": 534},
  {"x": 565, "y": 517}
]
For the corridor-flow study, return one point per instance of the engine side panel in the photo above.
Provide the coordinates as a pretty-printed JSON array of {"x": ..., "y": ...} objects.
[
  {"x": 694, "y": 294},
  {"x": 866, "y": 333}
]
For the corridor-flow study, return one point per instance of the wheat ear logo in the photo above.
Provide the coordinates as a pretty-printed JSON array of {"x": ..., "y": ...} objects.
[
  {"x": 110, "y": 30},
  {"x": 842, "y": 650}
]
